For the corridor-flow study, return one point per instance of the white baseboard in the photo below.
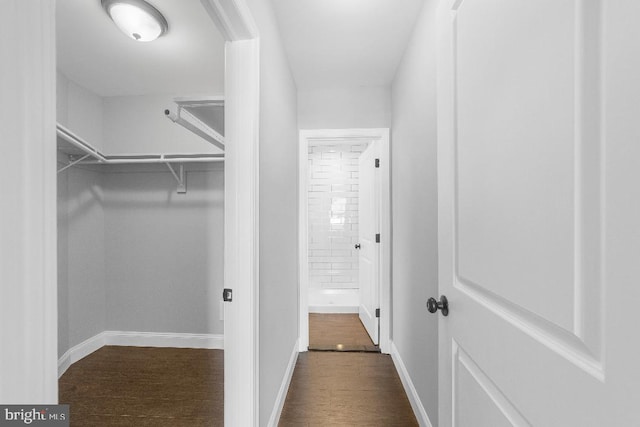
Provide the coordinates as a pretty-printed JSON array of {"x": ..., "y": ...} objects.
[
  {"x": 137, "y": 339},
  {"x": 161, "y": 339},
  {"x": 333, "y": 309},
  {"x": 409, "y": 388},
  {"x": 79, "y": 351},
  {"x": 284, "y": 388}
]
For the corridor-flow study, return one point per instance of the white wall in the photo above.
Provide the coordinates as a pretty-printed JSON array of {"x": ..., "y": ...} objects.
[
  {"x": 164, "y": 251},
  {"x": 123, "y": 125},
  {"x": 278, "y": 209},
  {"x": 63, "y": 259},
  {"x": 81, "y": 257},
  {"x": 168, "y": 280},
  {"x": 138, "y": 125},
  {"x": 80, "y": 110},
  {"x": 414, "y": 205},
  {"x": 344, "y": 108},
  {"x": 133, "y": 255}
]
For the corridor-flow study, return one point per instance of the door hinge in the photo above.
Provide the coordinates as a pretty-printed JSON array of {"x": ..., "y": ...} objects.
[
  {"x": 377, "y": 312},
  {"x": 377, "y": 163},
  {"x": 227, "y": 295},
  {"x": 378, "y": 238}
]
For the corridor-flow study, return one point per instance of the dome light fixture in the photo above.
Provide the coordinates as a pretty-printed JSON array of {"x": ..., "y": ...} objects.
[{"x": 136, "y": 18}]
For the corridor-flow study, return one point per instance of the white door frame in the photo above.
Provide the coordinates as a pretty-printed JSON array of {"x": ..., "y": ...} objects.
[
  {"x": 241, "y": 247},
  {"x": 28, "y": 247},
  {"x": 381, "y": 135}
]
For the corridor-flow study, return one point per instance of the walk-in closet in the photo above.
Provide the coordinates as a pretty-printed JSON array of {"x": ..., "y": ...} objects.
[{"x": 140, "y": 128}]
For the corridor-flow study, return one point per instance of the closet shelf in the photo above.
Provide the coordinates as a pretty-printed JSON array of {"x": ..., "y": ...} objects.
[
  {"x": 75, "y": 147},
  {"x": 80, "y": 151}
]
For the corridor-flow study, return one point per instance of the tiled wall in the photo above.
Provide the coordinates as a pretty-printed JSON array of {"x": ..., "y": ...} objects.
[{"x": 333, "y": 215}]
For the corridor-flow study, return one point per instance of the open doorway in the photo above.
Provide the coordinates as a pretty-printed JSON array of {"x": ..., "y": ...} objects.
[
  {"x": 140, "y": 216},
  {"x": 344, "y": 240},
  {"x": 32, "y": 307}
]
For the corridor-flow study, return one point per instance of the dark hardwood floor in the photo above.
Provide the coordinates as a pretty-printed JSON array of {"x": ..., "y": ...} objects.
[
  {"x": 346, "y": 389},
  {"x": 140, "y": 386},
  {"x": 338, "y": 332}
]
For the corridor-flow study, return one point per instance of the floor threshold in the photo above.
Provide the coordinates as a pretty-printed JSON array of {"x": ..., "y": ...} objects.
[{"x": 342, "y": 348}]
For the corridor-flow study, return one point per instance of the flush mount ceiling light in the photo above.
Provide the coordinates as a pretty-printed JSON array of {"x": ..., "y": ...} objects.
[{"x": 136, "y": 18}]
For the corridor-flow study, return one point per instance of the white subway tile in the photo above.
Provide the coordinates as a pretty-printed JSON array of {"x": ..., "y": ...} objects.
[
  {"x": 342, "y": 279},
  {"x": 320, "y": 277},
  {"x": 349, "y": 155},
  {"x": 341, "y": 273},
  {"x": 320, "y": 175},
  {"x": 320, "y": 188},
  {"x": 340, "y": 253},
  {"x": 349, "y": 168},
  {"x": 324, "y": 148},
  {"x": 314, "y": 246},
  {"x": 343, "y": 246},
  {"x": 333, "y": 215},
  {"x": 321, "y": 265},
  {"x": 341, "y": 266},
  {"x": 320, "y": 252},
  {"x": 346, "y": 195},
  {"x": 330, "y": 156}
]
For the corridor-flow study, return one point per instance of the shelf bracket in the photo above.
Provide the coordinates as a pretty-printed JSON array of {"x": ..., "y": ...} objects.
[
  {"x": 179, "y": 176},
  {"x": 73, "y": 163}
]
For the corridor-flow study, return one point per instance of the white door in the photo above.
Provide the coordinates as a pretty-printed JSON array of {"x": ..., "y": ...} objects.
[
  {"x": 539, "y": 210},
  {"x": 368, "y": 255}
]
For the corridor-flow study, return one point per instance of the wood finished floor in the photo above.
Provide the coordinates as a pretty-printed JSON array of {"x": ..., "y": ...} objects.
[
  {"x": 344, "y": 331},
  {"x": 140, "y": 386},
  {"x": 346, "y": 389}
]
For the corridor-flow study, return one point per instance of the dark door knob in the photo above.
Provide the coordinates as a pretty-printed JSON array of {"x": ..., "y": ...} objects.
[
  {"x": 434, "y": 305},
  {"x": 357, "y": 246}
]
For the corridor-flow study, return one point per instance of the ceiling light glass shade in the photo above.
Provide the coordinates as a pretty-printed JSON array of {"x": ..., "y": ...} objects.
[{"x": 136, "y": 18}]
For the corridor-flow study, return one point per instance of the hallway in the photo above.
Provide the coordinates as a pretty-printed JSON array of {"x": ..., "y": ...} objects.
[
  {"x": 353, "y": 386},
  {"x": 346, "y": 389},
  {"x": 341, "y": 332},
  {"x": 492, "y": 257}
]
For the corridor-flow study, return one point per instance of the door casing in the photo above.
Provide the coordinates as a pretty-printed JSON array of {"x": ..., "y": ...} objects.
[
  {"x": 236, "y": 24},
  {"x": 362, "y": 135}
]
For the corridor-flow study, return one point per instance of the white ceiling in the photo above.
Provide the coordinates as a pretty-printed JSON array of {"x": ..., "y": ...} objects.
[
  {"x": 338, "y": 43},
  {"x": 188, "y": 60}
]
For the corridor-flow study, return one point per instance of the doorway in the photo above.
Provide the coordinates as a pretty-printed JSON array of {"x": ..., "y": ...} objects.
[
  {"x": 344, "y": 250},
  {"x": 32, "y": 308}
]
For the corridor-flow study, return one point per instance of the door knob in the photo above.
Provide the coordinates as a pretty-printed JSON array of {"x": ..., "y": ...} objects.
[
  {"x": 434, "y": 305},
  {"x": 357, "y": 246}
]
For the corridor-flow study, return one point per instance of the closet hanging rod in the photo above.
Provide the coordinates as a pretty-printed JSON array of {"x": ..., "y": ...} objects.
[
  {"x": 121, "y": 161},
  {"x": 190, "y": 122}
]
